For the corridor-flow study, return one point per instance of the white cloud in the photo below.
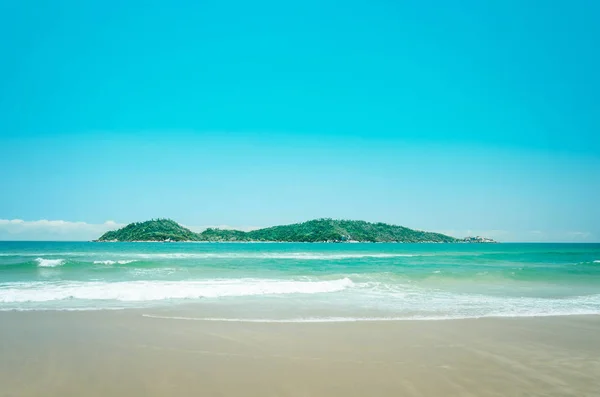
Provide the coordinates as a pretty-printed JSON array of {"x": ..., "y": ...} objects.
[
  {"x": 580, "y": 236},
  {"x": 52, "y": 230}
]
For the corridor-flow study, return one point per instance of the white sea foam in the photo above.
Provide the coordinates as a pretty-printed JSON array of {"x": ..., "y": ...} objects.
[
  {"x": 347, "y": 319},
  {"x": 104, "y": 262},
  {"x": 49, "y": 262},
  {"x": 109, "y": 262},
  {"x": 277, "y": 320},
  {"x": 598, "y": 261},
  {"x": 136, "y": 291},
  {"x": 391, "y": 301},
  {"x": 160, "y": 271}
]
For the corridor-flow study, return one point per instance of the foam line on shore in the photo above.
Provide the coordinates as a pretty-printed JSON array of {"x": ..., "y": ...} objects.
[{"x": 361, "y": 319}]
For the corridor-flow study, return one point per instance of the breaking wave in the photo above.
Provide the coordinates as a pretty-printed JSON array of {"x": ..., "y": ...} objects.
[
  {"x": 136, "y": 291},
  {"x": 49, "y": 262},
  {"x": 109, "y": 262}
]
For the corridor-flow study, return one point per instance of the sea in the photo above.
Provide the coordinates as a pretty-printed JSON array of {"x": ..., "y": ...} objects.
[{"x": 303, "y": 282}]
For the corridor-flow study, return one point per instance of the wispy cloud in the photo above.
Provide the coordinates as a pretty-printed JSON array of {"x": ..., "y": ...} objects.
[
  {"x": 51, "y": 230},
  {"x": 580, "y": 235}
]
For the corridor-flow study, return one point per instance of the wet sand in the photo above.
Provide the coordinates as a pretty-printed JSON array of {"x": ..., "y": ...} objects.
[{"x": 121, "y": 353}]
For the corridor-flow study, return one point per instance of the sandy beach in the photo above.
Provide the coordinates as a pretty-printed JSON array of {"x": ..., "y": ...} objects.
[{"x": 123, "y": 353}]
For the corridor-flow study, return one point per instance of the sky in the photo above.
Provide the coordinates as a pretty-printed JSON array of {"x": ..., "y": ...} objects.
[{"x": 460, "y": 117}]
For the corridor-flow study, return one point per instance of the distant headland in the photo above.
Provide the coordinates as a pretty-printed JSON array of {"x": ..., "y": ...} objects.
[{"x": 314, "y": 231}]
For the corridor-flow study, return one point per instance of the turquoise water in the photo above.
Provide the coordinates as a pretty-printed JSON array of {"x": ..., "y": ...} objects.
[{"x": 304, "y": 282}]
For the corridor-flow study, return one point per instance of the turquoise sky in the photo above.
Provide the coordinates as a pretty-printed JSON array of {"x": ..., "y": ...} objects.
[{"x": 462, "y": 117}]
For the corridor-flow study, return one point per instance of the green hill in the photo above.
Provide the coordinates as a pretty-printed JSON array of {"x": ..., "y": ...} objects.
[
  {"x": 318, "y": 230},
  {"x": 344, "y": 230},
  {"x": 153, "y": 230}
]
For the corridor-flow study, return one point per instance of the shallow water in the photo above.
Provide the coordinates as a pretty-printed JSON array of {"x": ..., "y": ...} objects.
[{"x": 305, "y": 282}]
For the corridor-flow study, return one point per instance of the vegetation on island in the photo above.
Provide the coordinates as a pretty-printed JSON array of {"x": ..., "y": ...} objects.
[
  {"x": 318, "y": 230},
  {"x": 345, "y": 230},
  {"x": 152, "y": 230}
]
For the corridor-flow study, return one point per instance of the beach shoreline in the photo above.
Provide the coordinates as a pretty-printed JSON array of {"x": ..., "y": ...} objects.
[{"x": 119, "y": 353}]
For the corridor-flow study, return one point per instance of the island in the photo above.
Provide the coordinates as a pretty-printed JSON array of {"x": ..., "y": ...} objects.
[{"x": 314, "y": 231}]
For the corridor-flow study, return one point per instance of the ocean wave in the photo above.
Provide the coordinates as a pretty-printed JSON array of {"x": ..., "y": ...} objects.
[
  {"x": 49, "y": 262},
  {"x": 136, "y": 291},
  {"x": 403, "y": 303},
  {"x": 385, "y": 300},
  {"x": 109, "y": 262},
  {"x": 589, "y": 262},
  {"x": 160, "y": 271}
]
